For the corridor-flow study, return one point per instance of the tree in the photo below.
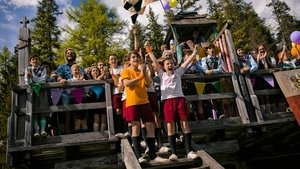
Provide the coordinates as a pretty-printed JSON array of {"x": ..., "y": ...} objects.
[
  {"x": 141, "y": 36},
  {"x": 154, "y": 32},
  {"x": 286, "y": 22},
  {"x": 45, "y": 33},
  {"x": 8, "y": 76},
  {"x": 97, "y": 29},
  {"x": 248, "y": 30}
]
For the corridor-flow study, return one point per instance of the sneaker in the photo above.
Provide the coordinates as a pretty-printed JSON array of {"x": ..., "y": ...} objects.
[
  {"x": 222, "y": 116},
  {"x": 192, "y": 155},
  {"x": 36, "y": 134},
  {"x": 127, "y": 134},
  {"x": 147, "y": 150},
  {"x": 120, "y": 135},
  {"x": 44, "y": 134},
  {"x": 142, "y": 160},
  {"x": 143, "y": 144},
  {"x": 173, "y": 157},
  {"x": 159, "y": 160},
  {"x": 210, "y": 119},
  {"x": 163, "y": 149}
]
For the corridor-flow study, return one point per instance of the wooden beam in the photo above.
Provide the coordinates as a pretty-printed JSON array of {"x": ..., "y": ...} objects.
[
  {"x": 210, "y": 96},
  {"x": 71, "y": 107},
  {"x": 212, "y": 163},
  {"x": 128, "y": 156}
]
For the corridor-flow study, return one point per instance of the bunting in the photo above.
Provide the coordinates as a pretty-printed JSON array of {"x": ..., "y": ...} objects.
[
  {"x": 36, "y": 87},
  {"x": 199, "y": 87},
  {"x": 78, "y": 94},
  {"x": 136, "y": 7},
  {"x": 55, "y": 95},
  {"x": 97, "y": 89},
  {"x": 270, "y": 80}
]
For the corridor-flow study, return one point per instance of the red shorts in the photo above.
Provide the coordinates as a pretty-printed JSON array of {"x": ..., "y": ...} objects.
[
  {"x": 152, "y": 97},
  {"x": 125, "y": 111},
  {"x": 117, "y": 102},
  {"x": 175, "y": 109},
  {"x": 140, "y": 112}
]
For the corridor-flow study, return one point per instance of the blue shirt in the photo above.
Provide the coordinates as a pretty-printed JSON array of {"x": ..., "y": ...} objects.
[
  {"x": 248, "y": 61},
  {"x": 64, "y": 71}
]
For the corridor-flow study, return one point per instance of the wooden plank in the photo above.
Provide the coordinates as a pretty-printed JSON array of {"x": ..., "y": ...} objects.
[
  {"x": 212, "y": 163},
  {"x": 28, "y": 119},
  {"x": 109, "y": 112},
  {"x": 65, "y": 140},
  {"x": 210, "y": 96},
  {"x": 71, "y": 107},
  {"x": 254, "y": 99},
  {"x": 107, "y": 162},
  {"x": 240, "y": 100},
  {"x": 227, "y": 146},
  {"x": 268, "y": 92},
  {"x": 19, "y": 88},
  {"x": 204, "y": 76},
  {"x": 128, "y": 156}
]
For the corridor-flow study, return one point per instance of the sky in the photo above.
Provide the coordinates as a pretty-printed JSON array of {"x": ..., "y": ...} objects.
[{"x": 12, "y": 12}]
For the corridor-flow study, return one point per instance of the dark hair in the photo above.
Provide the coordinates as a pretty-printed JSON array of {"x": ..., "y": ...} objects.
[{"x": 33, "y": 56}]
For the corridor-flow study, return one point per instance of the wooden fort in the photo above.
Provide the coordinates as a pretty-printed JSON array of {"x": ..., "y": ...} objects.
[{"x": 249, "y": 136}]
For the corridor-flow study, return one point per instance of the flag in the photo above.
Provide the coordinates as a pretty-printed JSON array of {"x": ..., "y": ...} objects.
[{"x": 136, "y": 7}]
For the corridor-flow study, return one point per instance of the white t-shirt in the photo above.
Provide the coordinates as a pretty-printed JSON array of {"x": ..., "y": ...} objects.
[
  {"x": 170, "y": 85},
  {"x": 117, "y": 71}
]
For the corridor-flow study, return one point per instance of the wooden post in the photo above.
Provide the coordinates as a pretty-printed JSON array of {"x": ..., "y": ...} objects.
[
  {"x": 23, "y": 49},
  {"x": 240, "y": 100}
]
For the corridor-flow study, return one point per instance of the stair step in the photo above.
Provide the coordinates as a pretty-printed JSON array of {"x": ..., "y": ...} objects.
[{"x": 182, "y": 162}]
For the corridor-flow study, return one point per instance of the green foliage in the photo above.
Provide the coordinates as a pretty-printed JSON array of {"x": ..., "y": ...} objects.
[
  {"x": 8, "y": 76},
  {"x": 286, "y": 22},
  {"x": 45, "y": 33},
  {"x": 141, "y": 36},
  {"x": 154, "y": 32},
  {"x": 97, "y": 28},
  {"x": 248, "y": 30}
]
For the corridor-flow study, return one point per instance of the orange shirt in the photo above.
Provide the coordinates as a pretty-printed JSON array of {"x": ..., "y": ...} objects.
[{"x": 137, "y": 93}]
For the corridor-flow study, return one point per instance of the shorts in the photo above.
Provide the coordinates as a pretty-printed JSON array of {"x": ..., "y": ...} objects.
[
  {"x": 175, "y": 109},
  {"x": 140, "y": 112},
  {"x": 117, "y": 102}
]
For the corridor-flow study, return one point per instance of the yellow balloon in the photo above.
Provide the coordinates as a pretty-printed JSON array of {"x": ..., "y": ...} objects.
[
  {"x": 293, "y": 44},
  {"x": 173, "y": 3},
  {"x": 294, "y": 52}
]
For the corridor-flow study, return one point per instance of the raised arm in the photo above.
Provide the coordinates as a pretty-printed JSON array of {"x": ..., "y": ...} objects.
[
  {"x": 148, "y": 48},
  {"x": 190, "y": 58}
]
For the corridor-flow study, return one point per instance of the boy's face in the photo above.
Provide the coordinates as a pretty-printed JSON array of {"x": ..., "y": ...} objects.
[
  {"x": 34, "y": 62},
  {"x": 113, "y": 61},
  {"x": 75, "y": 70},
  {"x": 134, "y": 60},
  {"x": 169, "y": 66},
  {"x": 240, "y": 52}
]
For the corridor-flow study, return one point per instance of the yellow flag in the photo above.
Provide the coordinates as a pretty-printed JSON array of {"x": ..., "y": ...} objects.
[{"x": 199, "y": 87}]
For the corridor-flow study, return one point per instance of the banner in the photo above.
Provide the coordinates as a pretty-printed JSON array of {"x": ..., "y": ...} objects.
[{"x": 289, "y": 83}]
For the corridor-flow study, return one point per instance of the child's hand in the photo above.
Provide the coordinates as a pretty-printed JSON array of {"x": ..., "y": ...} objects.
[
  {"x": 29, "y": 74},
  {"x": 148, "y": 47}
]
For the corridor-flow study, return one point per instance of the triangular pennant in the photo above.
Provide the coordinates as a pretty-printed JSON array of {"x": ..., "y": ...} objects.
[
  {"x": 199, "y": 87},
  {"x": 55, "y": 95},
  {"x": 87, "y": 89},
  {"x": 217, "y": 85},
  {"x": 36, "y": 87},
  {"x": 78, "y": 94},
  {"x": 269, "y": 79},
  {"x": 97, "y": 89},
  {"x": 253, "y": 79}
]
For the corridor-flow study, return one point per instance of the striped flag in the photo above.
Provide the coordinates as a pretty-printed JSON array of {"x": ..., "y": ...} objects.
[{"x": 136, "y": 7}]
